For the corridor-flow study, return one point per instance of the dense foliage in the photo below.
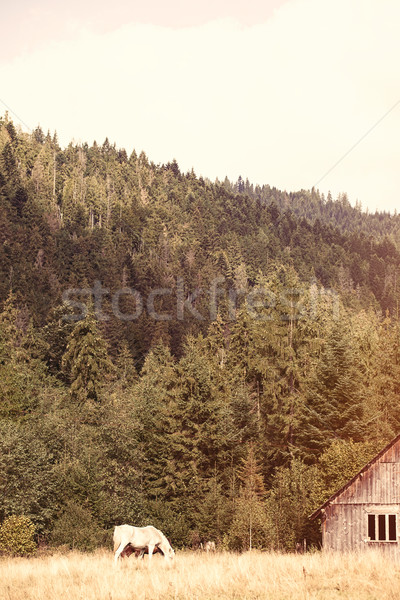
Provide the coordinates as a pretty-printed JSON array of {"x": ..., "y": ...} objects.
[
  {"x": 17, "y": 536},
  {"x": 213, "y": 358}
]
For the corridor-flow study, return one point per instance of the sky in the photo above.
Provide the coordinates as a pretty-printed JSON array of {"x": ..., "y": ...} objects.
[{"x": 291, "y": 93}]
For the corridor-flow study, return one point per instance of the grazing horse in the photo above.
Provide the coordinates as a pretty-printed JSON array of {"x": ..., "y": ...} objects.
[
  {"x": 209, "y": 546},
  {"x": 140, "y": 539}
]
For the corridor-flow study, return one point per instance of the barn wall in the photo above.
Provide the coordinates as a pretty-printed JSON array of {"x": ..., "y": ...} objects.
[
  {"x": 379, "y": 484},
  {"x": 375, "y": 491},
  {"x": 345, "y": 529}
]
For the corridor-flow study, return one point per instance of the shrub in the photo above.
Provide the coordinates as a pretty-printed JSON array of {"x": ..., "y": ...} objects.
[
  {"x": 17, "y": 536},
  {"x": 76, "y": 529}
]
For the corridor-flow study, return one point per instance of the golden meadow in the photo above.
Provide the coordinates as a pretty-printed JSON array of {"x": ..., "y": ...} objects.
[{"x": 248, "y": 576}]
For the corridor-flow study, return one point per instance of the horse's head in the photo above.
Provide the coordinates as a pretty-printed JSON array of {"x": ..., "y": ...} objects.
[{"x": 167, "y": 549}]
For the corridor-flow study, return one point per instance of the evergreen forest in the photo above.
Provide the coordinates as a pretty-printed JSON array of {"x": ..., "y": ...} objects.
[{"x": 213, "y": 358}]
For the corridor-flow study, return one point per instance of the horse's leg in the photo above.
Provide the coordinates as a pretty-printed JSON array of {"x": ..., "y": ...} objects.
[
  {"x": 119, "y": 551},
  {"x": 151, "y": 548}
]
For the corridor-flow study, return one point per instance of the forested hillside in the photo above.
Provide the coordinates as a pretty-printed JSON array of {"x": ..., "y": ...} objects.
[
  {"x": 313, "y": 207},
  {"x": 213, "y": 358}
]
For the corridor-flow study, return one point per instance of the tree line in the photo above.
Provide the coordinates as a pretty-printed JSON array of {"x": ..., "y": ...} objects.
[{"x": 232, "y": 426}]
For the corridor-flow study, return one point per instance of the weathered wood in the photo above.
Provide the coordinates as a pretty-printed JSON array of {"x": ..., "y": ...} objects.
[{"x": 375, "y": 490}]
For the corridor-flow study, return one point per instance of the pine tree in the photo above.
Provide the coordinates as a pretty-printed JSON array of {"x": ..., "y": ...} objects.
[
  {"x": 155, "y": 410},
  {"x": 55, "y": 335},
  {"x": 335, "y": 399},
  {"x": 294, "y": 494},
  {"x": 383, "y": 381},
  {"x": 125, "y": 366},
  {"x": 23, "y": 376},
  {"x": 249, "y": 520},
  {"x": 205, "y": 431},
  {"x": 86, "y": 361}
]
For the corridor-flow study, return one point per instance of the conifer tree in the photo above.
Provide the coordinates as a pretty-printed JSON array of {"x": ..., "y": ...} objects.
[
  {"x": 22, "y": 375},
  {"x": 295, "y": 492},
  {"x": 205, "y": 417},
  {"x": 125, "y": 366},
  {"x": 383, "y": 376},
  {"x": 249, "y": 520},
  {"x": 335, "y": 401},
  {"x": 86, "y": 360},
  {"x": 55, "y": 335},
  {"x": 156, "y": 413}
]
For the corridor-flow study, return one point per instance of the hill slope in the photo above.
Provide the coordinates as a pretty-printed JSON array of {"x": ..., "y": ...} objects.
[{"x": 239, "y": 357}]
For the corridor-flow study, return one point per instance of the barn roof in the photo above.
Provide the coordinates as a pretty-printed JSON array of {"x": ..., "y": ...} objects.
[{"x": 319, "y": 510}]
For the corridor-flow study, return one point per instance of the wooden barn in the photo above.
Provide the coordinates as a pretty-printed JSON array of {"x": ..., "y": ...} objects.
[{"x": 365, "y": 513}]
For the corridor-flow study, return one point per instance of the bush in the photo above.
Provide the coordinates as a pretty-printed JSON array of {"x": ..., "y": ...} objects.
[
  {"x": 17, "y": 536},
  {"x": 76, "y": 529}
]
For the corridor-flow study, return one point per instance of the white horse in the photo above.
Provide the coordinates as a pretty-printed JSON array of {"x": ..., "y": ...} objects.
[
  {"x": 209, "y": 547},
  {"x": 140, "y": 538}
]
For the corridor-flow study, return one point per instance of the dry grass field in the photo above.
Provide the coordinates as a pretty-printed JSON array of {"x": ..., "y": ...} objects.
[{"x": 195, "y": 576}]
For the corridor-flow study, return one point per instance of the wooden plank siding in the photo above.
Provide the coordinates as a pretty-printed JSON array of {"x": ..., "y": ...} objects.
[
  {"x": 380, "y": 485},
  {"x": 375, "y": 490}
]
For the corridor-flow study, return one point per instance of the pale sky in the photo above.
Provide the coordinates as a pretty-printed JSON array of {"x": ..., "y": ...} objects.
[{"x": 293, "y": 93}]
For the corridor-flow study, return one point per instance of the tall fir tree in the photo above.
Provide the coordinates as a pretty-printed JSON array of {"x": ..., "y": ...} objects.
[{"x": 86, "y": 361}]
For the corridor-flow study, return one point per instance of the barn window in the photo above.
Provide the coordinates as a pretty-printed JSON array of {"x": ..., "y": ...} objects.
[
  {"x": 392, "y": 527},
  {"x": 382, "y": 528},
  {"x": 371, "y": 527}
]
